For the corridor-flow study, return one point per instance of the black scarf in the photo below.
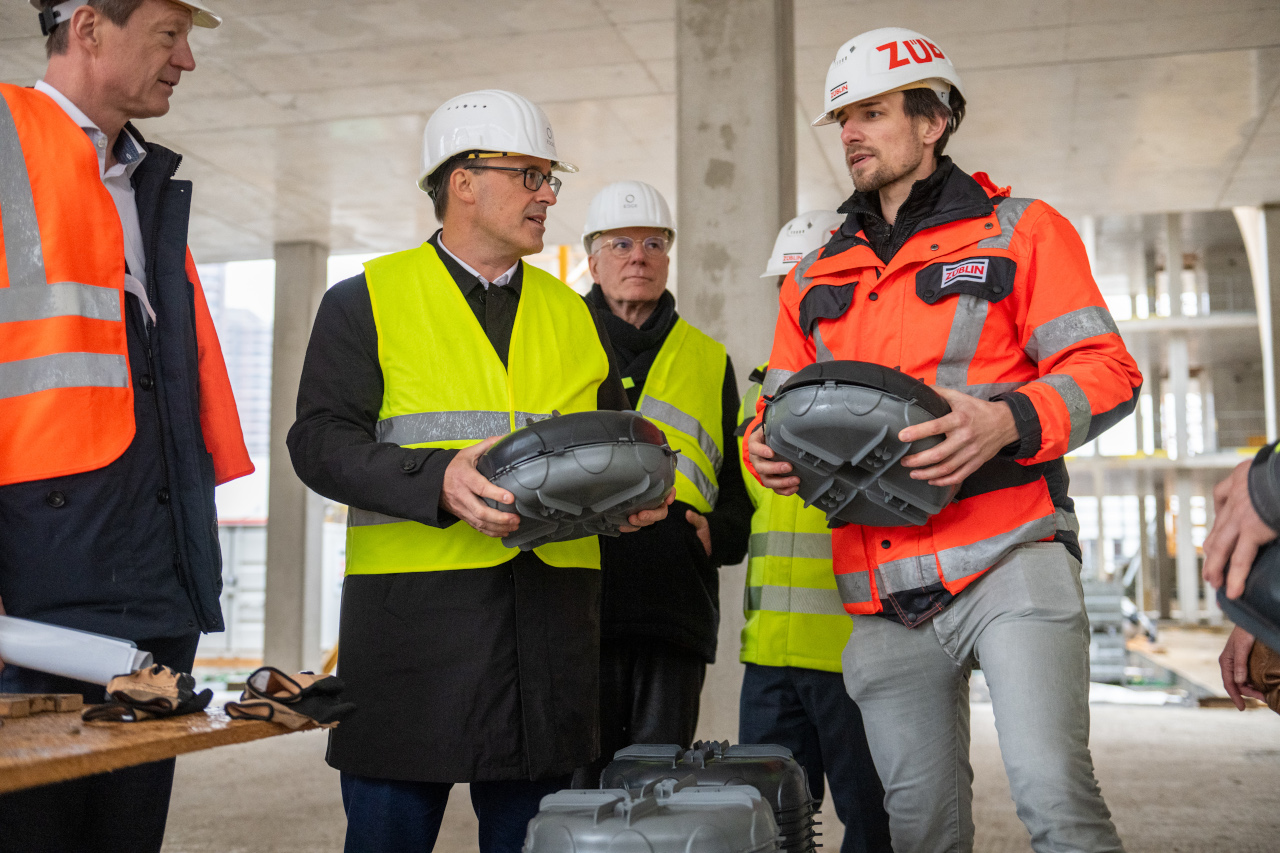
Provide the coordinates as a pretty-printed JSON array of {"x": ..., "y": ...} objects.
[{"x": 636, "y": 348}]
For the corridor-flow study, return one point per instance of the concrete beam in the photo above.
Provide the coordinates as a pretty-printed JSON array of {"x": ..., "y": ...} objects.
[
  {"x": 735, "y": 172},
  {"x": 295, "y": 514}
]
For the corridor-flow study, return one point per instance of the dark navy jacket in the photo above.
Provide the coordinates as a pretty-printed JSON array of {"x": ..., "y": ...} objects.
[{"x": 131, "y": 550}]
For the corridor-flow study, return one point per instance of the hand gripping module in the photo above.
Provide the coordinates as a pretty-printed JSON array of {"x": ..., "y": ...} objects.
[
  {"x": 837, "y": 423},
  {"x": 581, "y": 474}
]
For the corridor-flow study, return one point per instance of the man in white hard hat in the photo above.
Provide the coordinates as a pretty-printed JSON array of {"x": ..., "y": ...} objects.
[
  {"x": 661, "y": 585},
  {"x": 116, "y": 414},
  {"x": 989, "y": 299},
  {"x": 796, "y": 626},
  {"x": 468, "y": 661}
]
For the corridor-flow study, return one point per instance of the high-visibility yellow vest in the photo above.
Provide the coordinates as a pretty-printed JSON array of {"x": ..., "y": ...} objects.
[
  {"x": 444, "y": 386},
  {"x": 683, "y": 394},
  {"x": 794, "y": 613}
]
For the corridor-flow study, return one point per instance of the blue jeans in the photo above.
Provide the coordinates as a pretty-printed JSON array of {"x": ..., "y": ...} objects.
[
  {"x": 390, "y": 816},
  {"x": 123, "y": 810},
  {"x": 809, "y": 712}
]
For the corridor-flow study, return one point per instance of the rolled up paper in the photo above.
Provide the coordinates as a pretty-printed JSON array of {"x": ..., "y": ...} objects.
[{"x": 67, "y": 652}]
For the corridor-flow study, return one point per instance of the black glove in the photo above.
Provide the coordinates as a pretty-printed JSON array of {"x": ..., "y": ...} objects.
[{"x": 149, "y": 693}]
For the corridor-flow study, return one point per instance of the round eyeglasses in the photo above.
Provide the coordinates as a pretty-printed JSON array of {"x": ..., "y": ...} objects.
[
  {"x": 533, "y": 179},
  {"x": 621, "y": 247}
]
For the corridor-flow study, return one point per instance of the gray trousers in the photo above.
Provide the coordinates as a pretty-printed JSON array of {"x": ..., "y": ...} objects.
[{"x": 1023, "y": 624}]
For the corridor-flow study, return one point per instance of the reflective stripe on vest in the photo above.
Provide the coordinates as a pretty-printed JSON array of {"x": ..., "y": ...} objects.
[
  {"x": 63, "y": 346},
  {"x": 683, "y": 394},
  {"x": 794, "y": 613},
  {"x": 422, "y": 427},
  {"x": 445, "y": 387}
]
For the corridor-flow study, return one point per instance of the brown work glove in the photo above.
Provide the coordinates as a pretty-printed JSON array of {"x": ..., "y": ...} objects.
[
  {"x": 291, "y": 700},
  {"x": 1264, "y": 674},
  {"x": 152, "y": 692}
]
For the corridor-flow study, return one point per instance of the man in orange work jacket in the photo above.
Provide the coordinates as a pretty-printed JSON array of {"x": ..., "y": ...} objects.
[
  {"x": 116, "y": 414},
  {"x": 989, "y": 299}
]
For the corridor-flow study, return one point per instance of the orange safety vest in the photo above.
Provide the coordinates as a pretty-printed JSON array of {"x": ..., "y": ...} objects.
[
  {"x": 66, "y": 402},
  {"x": 988, "y": 305}
]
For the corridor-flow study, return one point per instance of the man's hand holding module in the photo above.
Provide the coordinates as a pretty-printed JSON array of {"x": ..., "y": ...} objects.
[
  {"x": 465, "y": 489},
  {"x": 975, "y": 431}
]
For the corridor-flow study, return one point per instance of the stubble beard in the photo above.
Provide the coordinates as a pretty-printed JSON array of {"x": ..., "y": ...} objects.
[{"x": 886, "y": 174}]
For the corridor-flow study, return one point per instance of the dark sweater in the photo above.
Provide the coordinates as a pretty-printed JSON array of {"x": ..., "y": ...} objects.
[{"x": 659, "y": 583}]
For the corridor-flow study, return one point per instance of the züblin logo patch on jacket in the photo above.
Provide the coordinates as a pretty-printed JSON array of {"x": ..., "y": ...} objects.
[
  {"x": 972, "y": 270},
  {"x": 988, "y": 278}
]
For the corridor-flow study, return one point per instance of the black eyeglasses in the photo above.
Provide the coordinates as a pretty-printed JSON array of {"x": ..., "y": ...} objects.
[
  {"x": 533, "y": 179},
  {"x": 622, "y": 246}
]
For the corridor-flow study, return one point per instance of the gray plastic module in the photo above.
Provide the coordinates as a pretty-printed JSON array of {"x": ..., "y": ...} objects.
[
  {"x": 581, "y": 474},
  {"x": 837, "y": 423},
  {"x": 1258, "y": 609},
  {"x": 673, "y": 816},
  {"x": 767, "y": 768}
]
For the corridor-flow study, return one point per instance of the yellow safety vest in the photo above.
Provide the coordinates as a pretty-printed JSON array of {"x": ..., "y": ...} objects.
[
  {"x": 683, "y": 394},
  {"x": 444, "y": 386},
  {"x": 794, "y": 613}
]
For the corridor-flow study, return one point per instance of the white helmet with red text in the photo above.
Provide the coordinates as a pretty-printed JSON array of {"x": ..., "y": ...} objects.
[
  {"x": 889, "y": 59},
  {"x": 203, "y": 16},
  {"x": 799, "y": 237}
]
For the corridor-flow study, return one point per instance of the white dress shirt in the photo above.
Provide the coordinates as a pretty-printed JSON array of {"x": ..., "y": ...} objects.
[
  {"x": 128, "y": 153},
  {"x": 500, "y": 281}
]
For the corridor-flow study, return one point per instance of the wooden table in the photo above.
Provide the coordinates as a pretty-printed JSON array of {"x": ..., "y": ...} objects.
[{"x": 56, "y": 747}]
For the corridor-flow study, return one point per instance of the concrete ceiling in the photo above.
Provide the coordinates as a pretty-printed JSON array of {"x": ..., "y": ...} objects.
[{"x": 304, "y": 117}]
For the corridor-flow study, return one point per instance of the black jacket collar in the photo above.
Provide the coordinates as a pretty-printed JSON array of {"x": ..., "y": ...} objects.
[{"x": 947, "y": 195}]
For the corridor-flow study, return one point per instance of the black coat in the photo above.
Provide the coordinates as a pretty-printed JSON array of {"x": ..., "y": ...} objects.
[
  {"x": 659, "y": 582},
  {"x": 458, "y": 676},
  {"x": 131, "y": 549}
]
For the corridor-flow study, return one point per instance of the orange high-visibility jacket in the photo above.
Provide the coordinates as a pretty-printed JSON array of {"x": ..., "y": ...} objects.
[
  {"x": 1000, "y": 304},
  {"x": 66, "y": 403}
]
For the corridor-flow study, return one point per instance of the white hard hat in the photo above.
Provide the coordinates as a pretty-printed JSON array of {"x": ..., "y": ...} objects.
[
  {"x": 203, "y": 15},
  {"x": 886, "y": 60},
  {"x": 489, "y": 120},
  {"x": 799, "y": 237},
  {"x": 627, "y": 204}
]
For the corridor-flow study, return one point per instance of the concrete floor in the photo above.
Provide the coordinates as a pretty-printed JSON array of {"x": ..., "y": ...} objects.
[{"x": 1178, "y": 780}]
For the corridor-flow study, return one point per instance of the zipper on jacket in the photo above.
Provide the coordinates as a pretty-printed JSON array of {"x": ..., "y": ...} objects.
[{"x": 179, "y": 567}]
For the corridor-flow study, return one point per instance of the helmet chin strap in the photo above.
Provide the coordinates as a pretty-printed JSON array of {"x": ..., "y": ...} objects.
[{"x": 51, "y": 16}]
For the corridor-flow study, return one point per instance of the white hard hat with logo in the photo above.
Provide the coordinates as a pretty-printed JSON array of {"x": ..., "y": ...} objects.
[
  {"x": 627, "y": 204},
  {"x": 490, "y": 120},
  {"x": 203, "y": 16},
  {"x": 889, "y": 59},
  {"x": 799, "y": 237}
]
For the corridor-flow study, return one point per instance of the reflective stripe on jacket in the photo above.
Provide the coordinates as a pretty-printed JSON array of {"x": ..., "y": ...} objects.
[
  {"x": 63, "y": 350},
  {"x": 998, "y": 303},
  {"x": 794, "y": 613},
  {"x": 682, "y": 394},
  {"x": 444, "y": 386}
]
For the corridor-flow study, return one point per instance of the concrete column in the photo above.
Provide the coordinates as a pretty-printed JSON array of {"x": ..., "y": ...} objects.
[
  {"x": 1173, "y": 262},
  {"x": 1188, "y": 573},
  {"x": 1100, "y": 545},
  {"x": 735, "y": 164},
  {"x": 1260, "y": 228},
  {"x": 295, "y": 513}
]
